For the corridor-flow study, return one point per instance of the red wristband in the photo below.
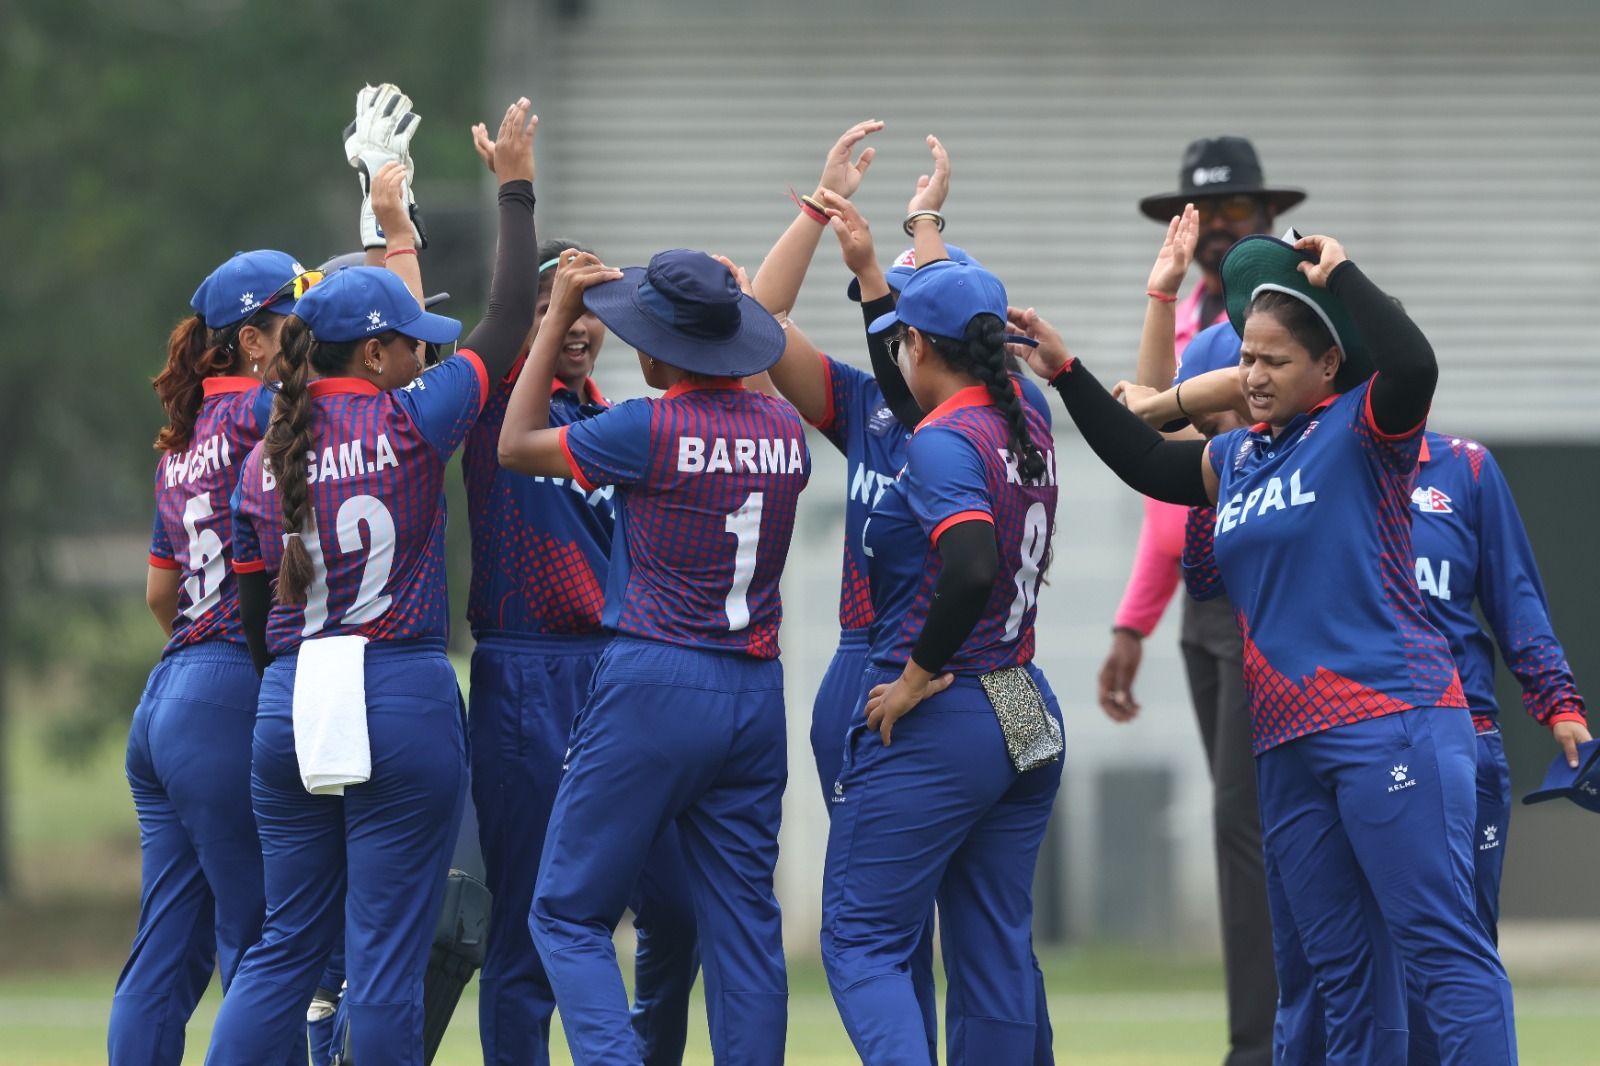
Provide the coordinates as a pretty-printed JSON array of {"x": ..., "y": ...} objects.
[
  {"x": 398, "y": 251},
  {"x": 1065, "y": 367},
  {"x": 1163, "y": 297},
  {"x": 809, "y": 208}
]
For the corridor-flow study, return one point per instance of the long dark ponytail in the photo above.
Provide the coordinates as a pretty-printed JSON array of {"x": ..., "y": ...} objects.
[
  {"x": 982, "y": 353},
  {"x": 288, "y": 442}
]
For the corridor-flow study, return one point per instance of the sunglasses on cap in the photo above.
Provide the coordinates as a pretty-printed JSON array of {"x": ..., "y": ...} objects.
[
  {"x": 295, "y": 288},
  {"x": 1229, "y": 208}
]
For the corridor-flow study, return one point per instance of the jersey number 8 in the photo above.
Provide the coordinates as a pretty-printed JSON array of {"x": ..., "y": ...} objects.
[{"x": 1035, "y": 537}]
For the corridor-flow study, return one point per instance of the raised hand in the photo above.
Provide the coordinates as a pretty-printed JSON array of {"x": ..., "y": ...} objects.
[
  {"x": 483, "y": 145},
  {"x": 388, "y": 199},
  {"x": 841, "y": 176},
  {"x": 850, "y": 226},
  {"x": 513, "y": 145},
  {"x": 576, "y": 272},
  {"x": 1177, "y": 252},
  {"x": 1050, "y": 355},
  {"x": 1330, "y": 253},
  {"x": 932, "y": 189}
]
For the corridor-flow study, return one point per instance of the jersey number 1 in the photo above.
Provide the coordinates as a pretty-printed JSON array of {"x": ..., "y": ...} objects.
[
  {"x": 371, "y": 601},
  {"x": 744, "y": 524}
]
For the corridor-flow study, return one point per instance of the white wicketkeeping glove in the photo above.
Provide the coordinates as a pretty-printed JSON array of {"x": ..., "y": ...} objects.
[{"x": 381, "y": 133}]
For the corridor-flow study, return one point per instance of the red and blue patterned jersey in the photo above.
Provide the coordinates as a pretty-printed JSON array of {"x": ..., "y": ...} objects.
[
  {"x": 1313, "y": 542},
  {"x": 1471, "y": 546},
  {"x": 958, "y": 469},
  {"x": 708, "y": 477},
  {"x": 860, "y": 424},
  {"x": 376, "y": 528},
  {"x": 193, "y": 531},
  {"x": 540, "y": 545}
]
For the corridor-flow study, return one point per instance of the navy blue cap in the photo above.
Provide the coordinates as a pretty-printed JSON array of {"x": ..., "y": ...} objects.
[
  {"x": 362, "y": 301},
  {"x": 238, "y": 288},
  {"x": 904, "y": 266},
  {"x": 941, "y": 298},
  {"x": 1581, "y": 785}
]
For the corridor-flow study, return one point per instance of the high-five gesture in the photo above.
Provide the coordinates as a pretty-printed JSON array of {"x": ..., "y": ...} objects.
[
  {"x": 1177, "y": 252},
  {"x": 855, "y": 239},
  {"x": 513, "y": 145},
  {"x": 932, "y": 189},
  {"x": 839, "y": 174},
  {"x": 1330, "y": 253}
]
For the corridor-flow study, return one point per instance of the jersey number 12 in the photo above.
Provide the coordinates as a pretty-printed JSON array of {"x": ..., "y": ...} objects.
[{"x": 371, "y": 601}]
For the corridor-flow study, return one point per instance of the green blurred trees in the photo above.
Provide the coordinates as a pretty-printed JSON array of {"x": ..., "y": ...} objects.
[{"x": 141, "y": 143}]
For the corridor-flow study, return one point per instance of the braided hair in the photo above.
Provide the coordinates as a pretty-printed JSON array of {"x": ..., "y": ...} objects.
[
  {"x": 195, "y": 352},
  {"x": 289, "y": 440},
  {"x": 982, "y": 354}
]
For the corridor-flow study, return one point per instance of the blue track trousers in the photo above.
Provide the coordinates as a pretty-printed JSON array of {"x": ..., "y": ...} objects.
[
  {"x": 1301, "y": 1033},
  {"x": 1370, "y": 832},
  {"x": 525, "y": 693},
  {"x": 670, "y": 734},
  {"x": 940, "y": 814},
  {"x": 378, "y": 854},
  {"x": 201, "y": 895}
]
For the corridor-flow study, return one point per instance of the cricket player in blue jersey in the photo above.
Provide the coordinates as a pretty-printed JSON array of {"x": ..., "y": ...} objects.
[
  {"x": 949, "y": 811},
  {"x": 1366, "y": 755},
  {"x": 684, "y": 722},
  {"x": 344, "y": 501},
  {"x": 540, "y": 550},
  {"x": 201, "y": 901}
]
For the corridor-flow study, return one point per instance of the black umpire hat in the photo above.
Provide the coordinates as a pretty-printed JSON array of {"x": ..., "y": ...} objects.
[{"x": 1219, "y": 166}]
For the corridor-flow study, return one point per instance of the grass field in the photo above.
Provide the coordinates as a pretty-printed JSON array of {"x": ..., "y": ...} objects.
[
  {"x": 77, "y": 846},
  {"x": 1108, "y": 1010}
]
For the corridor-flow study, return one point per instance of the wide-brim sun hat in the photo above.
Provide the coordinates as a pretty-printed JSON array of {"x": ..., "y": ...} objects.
[
  {"x": 1262, "y": 263},
  {"x": 361, "y": 301},
  {"x": 1219, "y": 167},
  {"x": 685, "y": 309}
]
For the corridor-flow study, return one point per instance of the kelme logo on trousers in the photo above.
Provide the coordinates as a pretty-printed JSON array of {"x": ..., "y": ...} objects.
[{"x": 1401, "y": 781}]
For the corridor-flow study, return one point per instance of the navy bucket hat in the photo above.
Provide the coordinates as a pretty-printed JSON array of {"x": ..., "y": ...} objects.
[{"x": 685, "y": 309}]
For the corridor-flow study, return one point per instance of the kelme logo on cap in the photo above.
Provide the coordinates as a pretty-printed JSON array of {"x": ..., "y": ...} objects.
[{"x": 1212, "y": 175}]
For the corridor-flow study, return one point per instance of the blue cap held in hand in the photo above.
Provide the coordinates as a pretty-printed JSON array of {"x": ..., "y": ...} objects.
[
  {"x": 244, "y": 285},
  {"x": 360, "y": 301},
  {"x": 904, "y": 266},
  {"x": 1580, "y": 785}
]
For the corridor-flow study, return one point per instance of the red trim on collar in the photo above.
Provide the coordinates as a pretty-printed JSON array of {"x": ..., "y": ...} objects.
[
  {"x": 220, "y": 386},
  {"x": 971, "y": 396},
  {"x": 591, "y": 391},
  {"x": 1424, "y": 455},
  {"x": 338, "y": 386},
  {"x": 1266, "y": 427},
  {"x": 688, "y": 385}
]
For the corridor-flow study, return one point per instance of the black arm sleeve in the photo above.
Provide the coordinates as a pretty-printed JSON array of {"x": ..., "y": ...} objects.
[
  {"x": 255, "y": 603},
  {"x": 969, "y": 561},
  {"x": 498, "y": 339},
  {"x": 1162, "y": 469},
  {"x": 890, "y": 381},
  {"x": 1407, "y": 369}
]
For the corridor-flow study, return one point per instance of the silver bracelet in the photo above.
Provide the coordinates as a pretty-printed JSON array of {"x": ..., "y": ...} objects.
[{"x": 911, "y": 220}]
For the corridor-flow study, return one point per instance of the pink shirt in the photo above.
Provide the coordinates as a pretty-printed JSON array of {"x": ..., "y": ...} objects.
[{"x": 1156, "y": 561}]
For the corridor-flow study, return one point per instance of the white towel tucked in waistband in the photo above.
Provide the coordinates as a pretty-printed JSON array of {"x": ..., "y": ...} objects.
[{"x": 330, "y": 714}]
